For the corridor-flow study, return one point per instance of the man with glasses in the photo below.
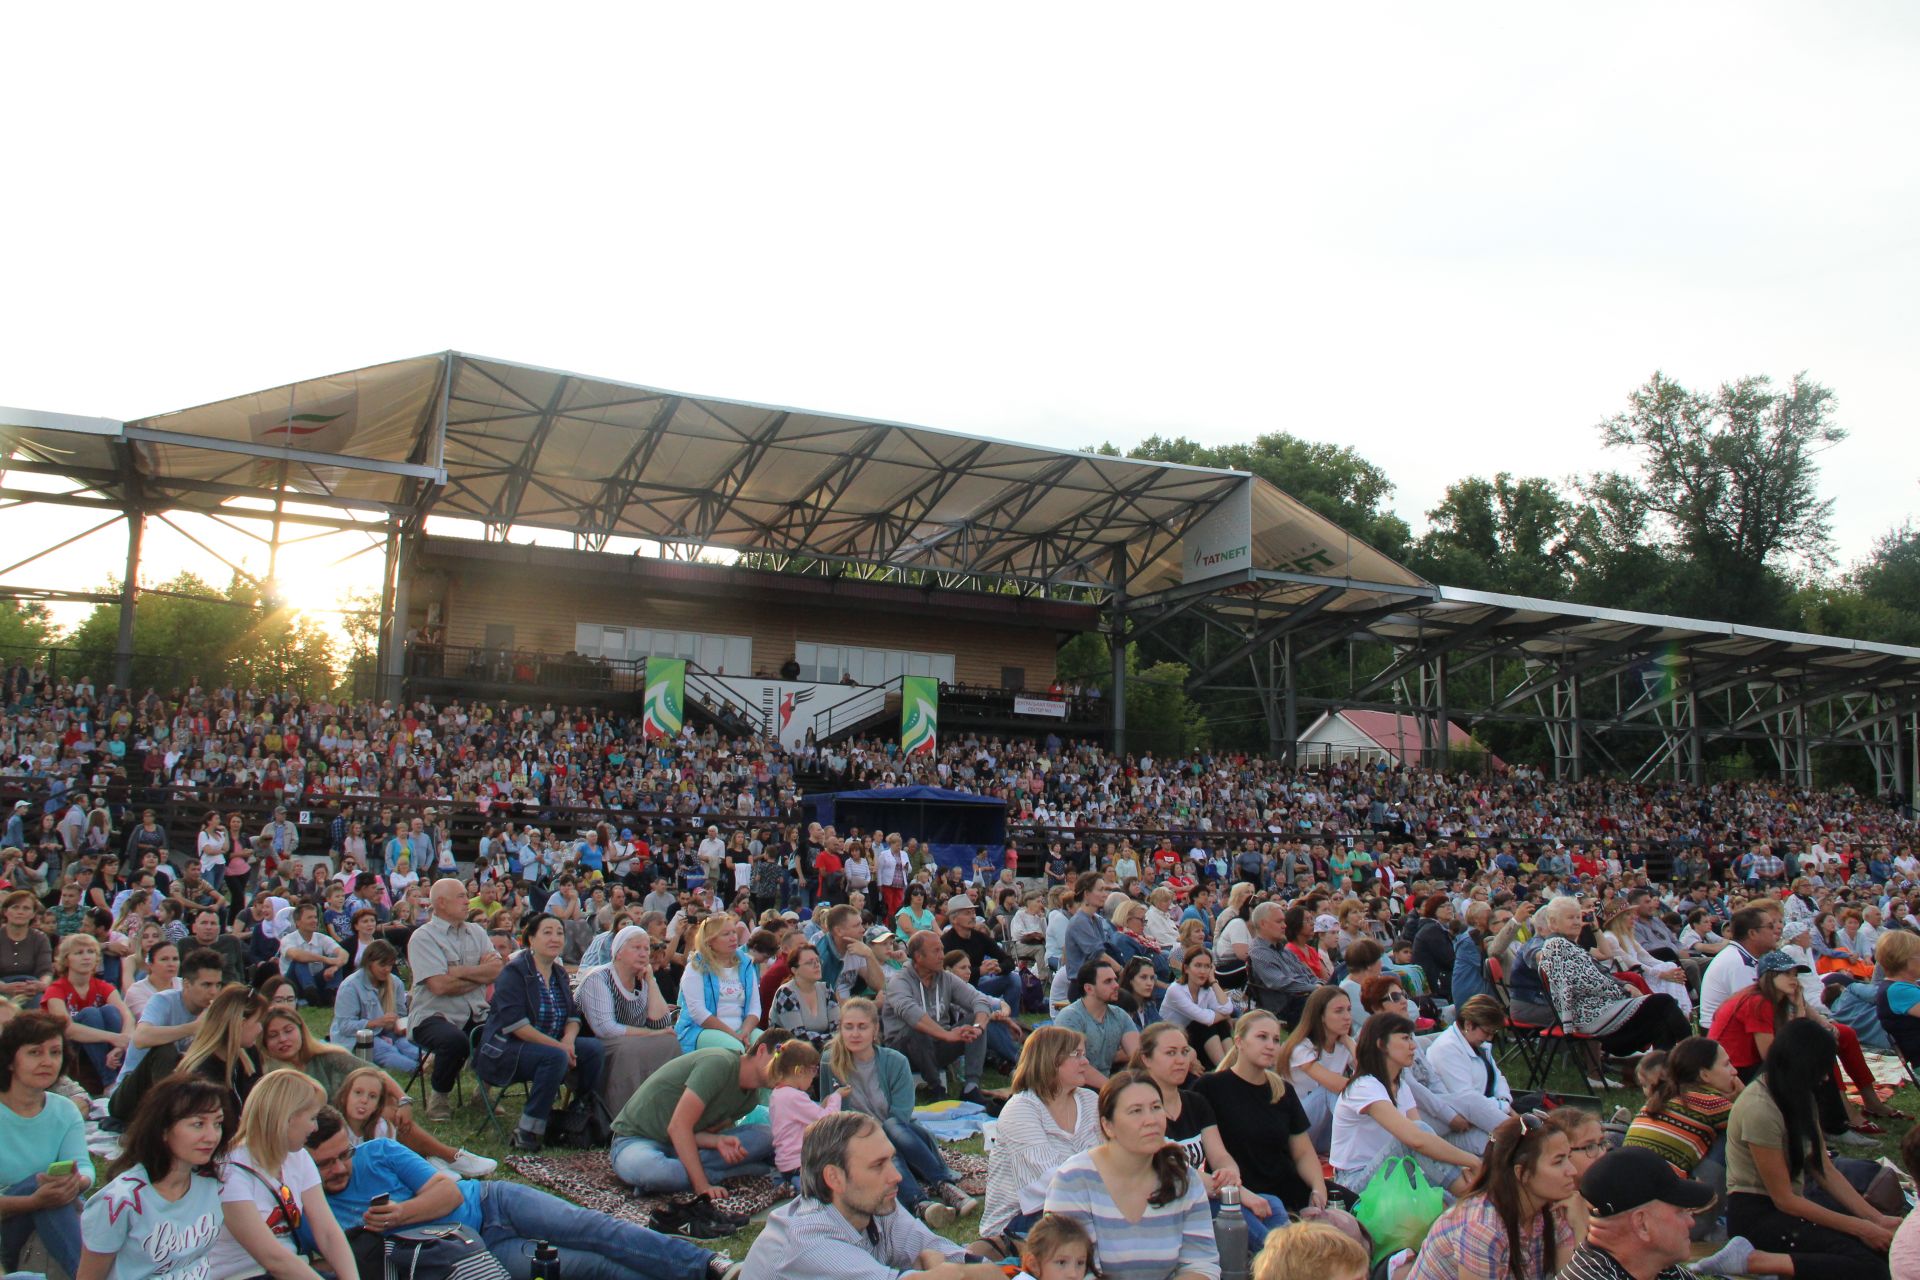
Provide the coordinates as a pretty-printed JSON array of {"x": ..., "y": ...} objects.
[{"x": 508, "y": 1216}]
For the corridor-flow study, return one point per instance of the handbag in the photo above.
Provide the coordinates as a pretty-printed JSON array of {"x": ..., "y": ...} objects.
[
  {"x": 581, "y": 1124},
  {"x": 445, "y": 1252},
  {"x": 1398, "y": 1206}
]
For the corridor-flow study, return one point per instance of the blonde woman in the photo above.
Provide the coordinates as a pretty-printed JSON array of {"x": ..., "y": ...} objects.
[
  {"x": 1617, "y": 948},
  {"x": 97, "y": 1017},
  {"x": 720, "y": 991},
  {"x": 222, "y": 1049},
  {"x": 1232, "y": 938},
  {"x": 1266, "y": 1131},
  {"x": 1053, "y": 1114},
  {"x": 271, "y": 1185}
]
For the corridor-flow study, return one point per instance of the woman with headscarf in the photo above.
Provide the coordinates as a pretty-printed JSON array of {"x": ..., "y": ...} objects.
[{"x": 627, "y": 1012}]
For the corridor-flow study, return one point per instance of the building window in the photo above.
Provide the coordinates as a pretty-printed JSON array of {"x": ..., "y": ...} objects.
[
  {"x": 718, "y": 654},
  {"x": 827, "y": 663}
]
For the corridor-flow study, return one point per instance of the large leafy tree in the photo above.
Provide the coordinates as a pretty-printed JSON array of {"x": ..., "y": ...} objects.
[
  {"x": 214, "y": 636},
  {"x": 1505, "y": 534},
  {"x": 1727, "y": 485}
]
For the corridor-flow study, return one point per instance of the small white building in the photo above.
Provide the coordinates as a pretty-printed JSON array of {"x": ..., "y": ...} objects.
[{"x": 1374, "y": 736}]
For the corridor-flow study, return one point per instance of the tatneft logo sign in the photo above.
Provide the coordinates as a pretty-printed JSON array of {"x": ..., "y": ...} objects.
[{"x": 1203, "y": 559}]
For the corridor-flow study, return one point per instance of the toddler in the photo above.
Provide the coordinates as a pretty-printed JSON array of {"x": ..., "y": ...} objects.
[
  {"x": 791, "y": 1072},
  {"x": 1056, "y": 1248}
]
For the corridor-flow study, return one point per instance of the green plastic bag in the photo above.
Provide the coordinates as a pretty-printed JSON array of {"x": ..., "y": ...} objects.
[{"x": 1398, "y": 1207}]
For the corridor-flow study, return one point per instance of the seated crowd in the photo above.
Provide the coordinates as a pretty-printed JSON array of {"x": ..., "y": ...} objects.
[{"x": 1250, "y": 1020}]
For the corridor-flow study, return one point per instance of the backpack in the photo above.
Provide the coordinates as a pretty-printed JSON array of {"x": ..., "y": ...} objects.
[{"x": 445, "y": 1252}]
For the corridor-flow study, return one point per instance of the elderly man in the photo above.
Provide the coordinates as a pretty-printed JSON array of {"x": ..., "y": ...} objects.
[
  {"x": 933, "y": 1017},
  {"x": 1281, "y": 977},
  {"x": 508, "y": 1216},
  {"x": 992, "y": 967},
  {"x": 846, "y": 1223},
  {"x": 453, "y": 964},
  {"x": 1642, "y": 1220}
]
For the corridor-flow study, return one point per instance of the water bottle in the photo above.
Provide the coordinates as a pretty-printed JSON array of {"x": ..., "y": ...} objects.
[
  {"x": 363, "y": 1045},
  {"x": 1229, "y": 1232},
  {"x": 546, "y": 1262}
]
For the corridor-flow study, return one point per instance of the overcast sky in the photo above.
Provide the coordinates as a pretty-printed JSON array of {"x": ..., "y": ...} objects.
[{"x": 1454, "y": 238}]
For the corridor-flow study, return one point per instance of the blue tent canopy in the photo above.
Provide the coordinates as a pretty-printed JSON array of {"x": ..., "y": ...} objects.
[{"x": 952, "y": 824}]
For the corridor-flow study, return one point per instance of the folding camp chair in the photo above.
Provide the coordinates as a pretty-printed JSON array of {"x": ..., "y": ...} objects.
[{"x": 489, "y": 1108}]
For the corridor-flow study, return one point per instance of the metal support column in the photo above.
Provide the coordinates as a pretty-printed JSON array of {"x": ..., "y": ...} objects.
[
  {"x": 394, "y": 668},
  {"x": 1442, "y": 717},
  {"x": 1290, "y": 705},
  {"x": 129, "y": 598},
  {"x": 1117, "y": 642},
  {"x": 1576, "y": 731},
  {"x": 1696, "y": 753},
  {"x": 1804, "y": 773}
]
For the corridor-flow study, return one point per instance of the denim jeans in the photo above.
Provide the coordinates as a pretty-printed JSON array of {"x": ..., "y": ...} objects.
[
  {"x": 396, "y": 1053},
  {"x": 652, "y": 1166},
  {"x": 917, "y": 1158},
  {"x": 545, "y": 1069},
  {"x": 100, "y": 1018},
  {"x": 58, "y": 1228},
  {"x": 313, "y": 983},
  {"x": 596, "y": 1246}
]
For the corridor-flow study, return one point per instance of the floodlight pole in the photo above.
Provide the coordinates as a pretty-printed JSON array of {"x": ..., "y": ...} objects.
[{"x": 129, "y": 598}]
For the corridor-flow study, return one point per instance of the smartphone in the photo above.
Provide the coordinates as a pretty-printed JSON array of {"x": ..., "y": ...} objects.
[
  {"x": 60, "y": 1169},
  {"x": 380, "y": 1201}
]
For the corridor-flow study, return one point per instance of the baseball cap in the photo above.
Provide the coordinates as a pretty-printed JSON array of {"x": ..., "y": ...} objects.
[
  {"x": 960, "y": 902},
  {"x": 879, "y": 933},
  {"x": 1325, "y": 924},
  {"x": 1621, "y": 1181},
  {"x": 1777, "y": 962}
]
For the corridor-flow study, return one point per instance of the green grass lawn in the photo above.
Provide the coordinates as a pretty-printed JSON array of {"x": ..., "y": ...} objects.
[{"x": 468, "y": 1129}]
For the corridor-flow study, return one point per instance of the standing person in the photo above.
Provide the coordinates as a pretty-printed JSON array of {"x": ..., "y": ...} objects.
[
  {"x": 38, "y": 1129},
  {"x": 847, "y": 1222},
  {"x": 1144, "y": 1209},
  {"x": 270, "y": 1187},
  {"x": 159, "y": 1213},
  {"x": 1375, "y": 1118},
  {"x": 882, "y": 1083},
  {"x": 453, "y": 964},
  {"x": 533, "y": 1031},
  {"x": 1510, "y": 1223},
  {"x": 1776, "y": 1150},
  {"x": 1053, "y": 1114}
]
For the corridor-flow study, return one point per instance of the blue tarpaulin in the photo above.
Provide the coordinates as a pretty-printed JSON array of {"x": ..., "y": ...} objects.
[{"x": 953, "y": 824}]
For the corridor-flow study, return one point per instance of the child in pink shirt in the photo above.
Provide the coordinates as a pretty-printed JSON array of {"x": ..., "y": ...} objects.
[{"x": 791, "y": 1072}]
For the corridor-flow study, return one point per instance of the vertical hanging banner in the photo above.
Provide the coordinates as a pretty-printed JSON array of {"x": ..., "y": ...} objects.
[
  {"x": 919, "y": 714},
  {"x": 664, "y": 709}
]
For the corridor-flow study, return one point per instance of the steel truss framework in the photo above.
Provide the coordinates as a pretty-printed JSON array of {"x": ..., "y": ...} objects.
[
  {"x": 517, "y": 447},
  {"x": 1638, "y": 695}
]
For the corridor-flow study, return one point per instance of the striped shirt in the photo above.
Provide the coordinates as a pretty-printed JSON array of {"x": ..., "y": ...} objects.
[
  {"x": 808, "y": 1240},
  {"x": 1591, "y": 1262},
  {"x": 1169, "y": 1239},
  {"x": 1685, "y": 1130}
]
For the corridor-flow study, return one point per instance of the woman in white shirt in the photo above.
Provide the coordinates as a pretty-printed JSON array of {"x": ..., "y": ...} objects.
[
  {"x": 271, "y": 1185},
  {"x": 1465, "y": 1077},
  {"x": 1318, "y": 1058},
  {"x": 1231, "y": 938},
  {"x": 1375, "y": 1118},
  {"x": 1052, "y": 1115},
  {"x": 1163, "y": 921},
  {"x": 1200, "y": 1006},
  {"x": 214, "y": 845}
]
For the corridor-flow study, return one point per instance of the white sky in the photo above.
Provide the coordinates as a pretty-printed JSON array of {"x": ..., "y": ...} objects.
[{"x": 1453, "y": 238}]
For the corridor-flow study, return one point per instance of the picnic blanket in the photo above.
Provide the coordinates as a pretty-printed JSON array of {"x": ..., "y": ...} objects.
[{"x": 951, "y": 1121}]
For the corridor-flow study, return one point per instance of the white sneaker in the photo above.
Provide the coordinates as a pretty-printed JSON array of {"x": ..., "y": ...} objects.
[{"x": 469, "y": 1165}]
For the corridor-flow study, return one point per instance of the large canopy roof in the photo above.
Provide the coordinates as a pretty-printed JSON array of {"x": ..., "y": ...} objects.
[{"x": 515, "y": 445}]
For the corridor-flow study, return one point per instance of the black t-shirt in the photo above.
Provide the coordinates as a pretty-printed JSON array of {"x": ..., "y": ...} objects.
[
  {"x": 1259, "y": 1139},
  {"x": 1196, "y": 1113}
]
